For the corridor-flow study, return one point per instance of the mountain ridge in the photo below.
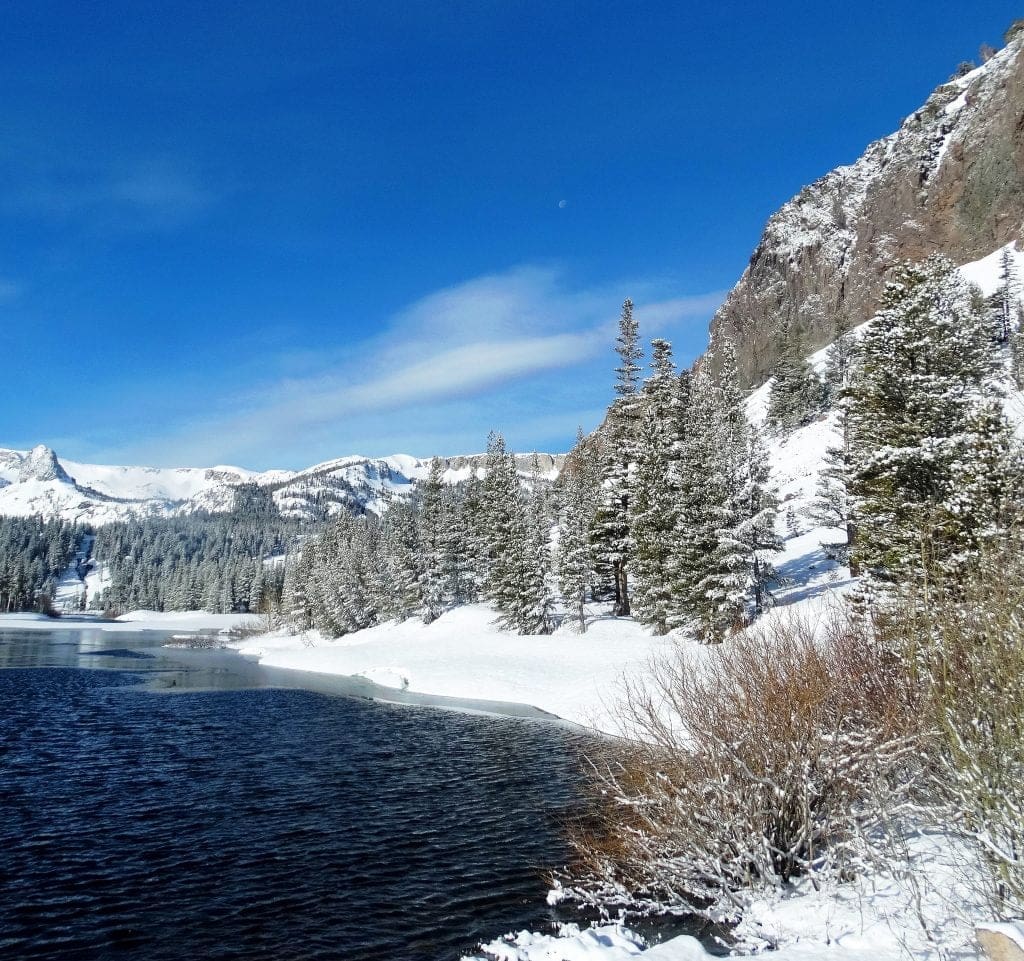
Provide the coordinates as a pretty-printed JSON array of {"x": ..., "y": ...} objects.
[{"x": 39, "y": 482}]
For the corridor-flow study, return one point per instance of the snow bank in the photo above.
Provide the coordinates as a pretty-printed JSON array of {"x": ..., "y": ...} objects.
[
  {"x": 874, "y": 919},
  {"x": 609, "y": 942},
  {"x": 463, "y": 654},
  {"x": 185, "y": 621}
]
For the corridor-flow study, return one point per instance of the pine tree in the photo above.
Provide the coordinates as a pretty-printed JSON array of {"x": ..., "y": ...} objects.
[
  {"x": 735, "y": 587},
  {"x": 611, "y": 534},
  {"x": 838, "y": 359},
  {"x": 797, "y": 394},
  {"x": 654, "y": 495},
  {"x": 515, "y": 581},
  {"x": 1005, "y": 301},
  {"x": 701, "y": 490},
  {"x": 540, "y": 565},
  {"x": 466, "y": 543},
  {"x": 917, "y": 425},
  {"x": 432, "y": 561},
  {"x": 575, "y": 554},
  {"x": 1017, "y": 356}
]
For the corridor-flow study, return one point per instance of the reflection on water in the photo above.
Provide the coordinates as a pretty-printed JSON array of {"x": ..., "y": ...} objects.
[
  {"x": 257, "y": 823},
  {"x": 140, "y": 652}
]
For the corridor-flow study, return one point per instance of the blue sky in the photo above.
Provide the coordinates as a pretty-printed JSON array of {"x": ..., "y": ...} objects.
[{"x": 271, "y": 233}]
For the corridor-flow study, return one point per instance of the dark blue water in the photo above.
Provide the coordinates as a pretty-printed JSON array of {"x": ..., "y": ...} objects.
[{"x": 260, "y": 824}]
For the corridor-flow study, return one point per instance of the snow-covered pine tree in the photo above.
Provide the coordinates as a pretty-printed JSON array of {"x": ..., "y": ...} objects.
[
  {"x": 295, "y": 599},
  {"x": 611, "y": 534},
  {"x": 739, "y": 568},
  {"x": 701, "y": 493},
  {"x": 580, "y": 480},
  {"x": 797, "y": 394},
  {"x": 540, "y": 570},
  {"x": 401, "y": 555},
  {"x": 654, "y": 496},
  {"x": 432, "y": 562},
  {"x": 1017, "y": 355},
  {"x": 465, "y": 541},
  {"x": 838, "y": 359},
  {"x": 515, "y": 578},
  {"x": 1005, "y": 302},
  {"x": 918, "y": 428}
]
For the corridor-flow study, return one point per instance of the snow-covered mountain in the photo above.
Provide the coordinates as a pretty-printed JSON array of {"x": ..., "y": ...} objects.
[{"x": 39, "y": 482}]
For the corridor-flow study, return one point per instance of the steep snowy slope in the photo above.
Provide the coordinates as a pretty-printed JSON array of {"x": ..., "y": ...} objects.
[{"x": 798, "y": 457}]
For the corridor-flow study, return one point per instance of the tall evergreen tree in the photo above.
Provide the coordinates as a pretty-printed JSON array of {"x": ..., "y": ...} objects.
[
  {"x": 1017, "y": 355},
  {"x": 580, "y": 481},
  {"x": 739, "y": 570},
  {"x": 516, "y": 581},
  {"x": 433, "y": 521},
  {"x": 701, "y": 495},
  {"x": 797, "y": 394},
  {"x": 612, "y": 536},
  {"x": 1006, "y": 299},
  {"x": 920, "y": 426},
  {"x": 654, "y": 497}
]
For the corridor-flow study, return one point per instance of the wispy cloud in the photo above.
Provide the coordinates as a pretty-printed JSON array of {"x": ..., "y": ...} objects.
[
  {"x": 146, "y": 193},
  {"x": 455, "y": 346}
]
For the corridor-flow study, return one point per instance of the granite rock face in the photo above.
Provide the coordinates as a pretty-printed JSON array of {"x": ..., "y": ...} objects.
[
  {"x": 950, "y": 181},
  {"x": 41, "y": 464}
]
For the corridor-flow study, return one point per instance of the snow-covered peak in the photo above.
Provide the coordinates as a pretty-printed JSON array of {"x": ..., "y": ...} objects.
[{"x": 41, "y": 464}]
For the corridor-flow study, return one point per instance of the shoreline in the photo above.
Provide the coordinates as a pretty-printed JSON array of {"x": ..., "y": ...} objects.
[{"x": 368, "y": 686}]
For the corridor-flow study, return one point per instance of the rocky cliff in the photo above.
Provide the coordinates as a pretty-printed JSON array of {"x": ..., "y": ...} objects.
[{"x": 950, "y": 180}]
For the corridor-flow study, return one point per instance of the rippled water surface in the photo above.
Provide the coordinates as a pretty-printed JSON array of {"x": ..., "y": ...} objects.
[{"x": 258, "y": 823}]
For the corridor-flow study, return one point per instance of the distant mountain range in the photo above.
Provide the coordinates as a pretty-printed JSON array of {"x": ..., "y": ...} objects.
[{"x": 38, "y": 482}]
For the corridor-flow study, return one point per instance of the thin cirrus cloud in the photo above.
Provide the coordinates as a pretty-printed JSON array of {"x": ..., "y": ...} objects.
[
  {"x": 153, "y": 192},
  {"x": 452, "y": 356}
]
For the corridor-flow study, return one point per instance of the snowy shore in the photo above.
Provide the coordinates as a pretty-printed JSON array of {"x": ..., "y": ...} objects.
[
  {"x": 184, "y": 621},
  {"x": 464, "y": 655}
]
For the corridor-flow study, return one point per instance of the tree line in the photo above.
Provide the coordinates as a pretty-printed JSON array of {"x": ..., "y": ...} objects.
[
  {"x": 221, "y": 563},
  {"x": 664, "y": 512},
  {"x": 33, "y": 555}
]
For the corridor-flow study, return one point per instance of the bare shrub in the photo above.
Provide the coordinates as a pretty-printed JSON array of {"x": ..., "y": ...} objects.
[
  {"x": 966, "y": 647},
  {"x": 776, "y": 755}
]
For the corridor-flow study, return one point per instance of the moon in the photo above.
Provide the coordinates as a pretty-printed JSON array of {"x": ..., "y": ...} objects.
[{"x": 562, "y": 204}]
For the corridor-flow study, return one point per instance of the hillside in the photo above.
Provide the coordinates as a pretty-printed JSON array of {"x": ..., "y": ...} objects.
[{"x": 950, "y": 180}]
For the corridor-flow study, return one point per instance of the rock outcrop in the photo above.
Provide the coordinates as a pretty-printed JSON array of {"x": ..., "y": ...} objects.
[
  {"x": 950, "y": 180},
  {"x": 41, "y": 464}
]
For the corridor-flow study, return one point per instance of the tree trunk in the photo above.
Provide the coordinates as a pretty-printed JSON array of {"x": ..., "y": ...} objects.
[{"x": 621, "y": 590}]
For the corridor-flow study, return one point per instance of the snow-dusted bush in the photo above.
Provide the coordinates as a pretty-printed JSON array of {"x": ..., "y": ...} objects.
[
  {"x": 776, "y": 755},
  {"x": 967, "y": 647}
]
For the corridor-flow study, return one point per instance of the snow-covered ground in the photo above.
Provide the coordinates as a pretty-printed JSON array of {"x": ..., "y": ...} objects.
[
  {"x": 464, "y": 655},
  {"x": 184, "y": 621},
  {"x": 873, "y": 919}
]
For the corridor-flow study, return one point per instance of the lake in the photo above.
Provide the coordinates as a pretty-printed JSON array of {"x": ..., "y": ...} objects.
[{"x": 160, "y": 804}]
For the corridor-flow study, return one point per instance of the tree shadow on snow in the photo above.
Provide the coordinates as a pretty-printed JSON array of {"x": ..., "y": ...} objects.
[{"x": 809, "y": 575}]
